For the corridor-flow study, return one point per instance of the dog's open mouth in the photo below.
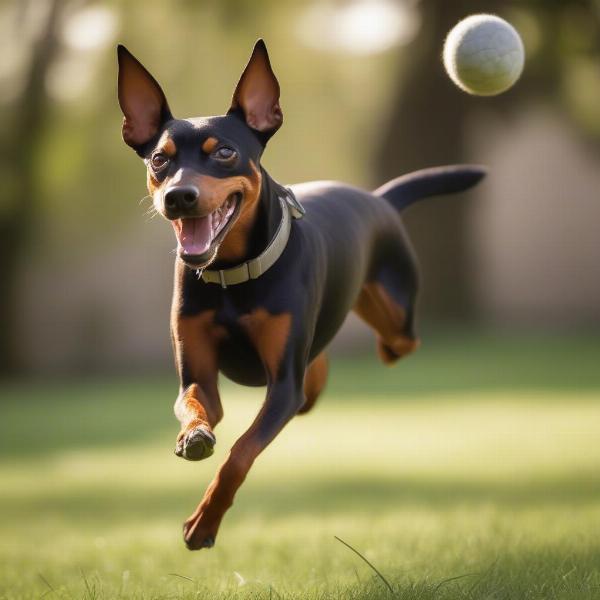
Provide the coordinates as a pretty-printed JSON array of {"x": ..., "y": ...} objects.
[{"x": 198, "y": 238}]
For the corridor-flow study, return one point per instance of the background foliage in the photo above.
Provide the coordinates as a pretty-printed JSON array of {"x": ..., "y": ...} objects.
[
  {"x": 365, "y": 98},
  {"x": 469, "y": 471}
]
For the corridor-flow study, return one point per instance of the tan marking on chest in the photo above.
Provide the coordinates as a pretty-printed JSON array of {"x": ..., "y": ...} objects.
[
  {"x": 196, "y": 340},
  {"x": 269, "y": 334}
]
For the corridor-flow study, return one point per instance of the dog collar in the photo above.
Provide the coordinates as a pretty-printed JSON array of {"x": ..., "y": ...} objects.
[{"x": 253, "y": 269}]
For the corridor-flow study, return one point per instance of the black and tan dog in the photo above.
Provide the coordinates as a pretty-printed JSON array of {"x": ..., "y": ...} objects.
[{"x": 265, "y": 275}]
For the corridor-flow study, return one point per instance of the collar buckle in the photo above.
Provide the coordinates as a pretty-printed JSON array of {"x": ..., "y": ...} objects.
[
  {"x": 222, "y": 279},
  {"x": 296, "y": 209}
]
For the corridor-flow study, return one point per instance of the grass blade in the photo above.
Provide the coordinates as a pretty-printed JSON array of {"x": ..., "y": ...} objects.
[
  {"x": 387, "y": 583},
  {"x": 455, "y": 578},
  {"x": 182, "y": 577},
  {"x": 51, "y": 590}
]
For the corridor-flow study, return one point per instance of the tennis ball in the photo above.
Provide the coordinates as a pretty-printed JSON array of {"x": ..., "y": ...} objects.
[{"x": 484, "y": 55}]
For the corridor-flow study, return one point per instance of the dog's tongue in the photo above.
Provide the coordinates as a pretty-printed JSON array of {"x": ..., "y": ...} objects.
[{"x": 194, "y": 235}]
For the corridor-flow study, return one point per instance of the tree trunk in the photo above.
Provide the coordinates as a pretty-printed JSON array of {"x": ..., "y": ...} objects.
[
  {"x": 426, "y": 128},
  {"x": 20, "y": 136}
]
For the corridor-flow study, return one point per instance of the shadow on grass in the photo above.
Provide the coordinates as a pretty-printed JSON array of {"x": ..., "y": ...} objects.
[
  {"x": 332, "y": 497},
  {"x": 462, "y": 361},
  {"x": 44, "y": 417}
]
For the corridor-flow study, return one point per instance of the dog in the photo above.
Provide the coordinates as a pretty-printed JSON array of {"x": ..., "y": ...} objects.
[{"x": 265, "y": 274}]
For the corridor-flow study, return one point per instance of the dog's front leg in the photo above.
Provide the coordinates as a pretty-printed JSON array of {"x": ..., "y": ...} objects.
[
  {"x": 198, "y": 409},
  {"x": 284, "y": 398},
  {"x": 198, "y": 406}
]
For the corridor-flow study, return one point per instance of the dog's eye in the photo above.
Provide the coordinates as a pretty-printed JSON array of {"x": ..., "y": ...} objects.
[
  {"x": 225, "y": 154},
  {"x": 159, "y": 161}
]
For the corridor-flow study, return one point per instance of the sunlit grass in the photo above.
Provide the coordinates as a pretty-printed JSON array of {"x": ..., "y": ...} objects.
[{"x": 481, "y": 493}]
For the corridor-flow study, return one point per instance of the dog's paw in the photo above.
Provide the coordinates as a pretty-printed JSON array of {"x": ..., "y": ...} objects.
[
  {"x": 196, "y": 536},
  {"x": 196, "y": 444}
]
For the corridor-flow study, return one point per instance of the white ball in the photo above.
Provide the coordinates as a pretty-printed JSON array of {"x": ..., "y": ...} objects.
[{"x": 484, "y": 55}]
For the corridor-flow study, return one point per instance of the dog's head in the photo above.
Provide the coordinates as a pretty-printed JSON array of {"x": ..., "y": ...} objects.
[{"x": 203, "y": 173}]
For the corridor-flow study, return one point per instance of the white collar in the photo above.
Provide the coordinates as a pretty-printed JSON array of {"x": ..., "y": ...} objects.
[{"x": 253, "y": 269}]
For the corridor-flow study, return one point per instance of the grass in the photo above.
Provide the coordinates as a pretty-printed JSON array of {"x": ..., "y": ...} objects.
[{"x": 471, "y": 471}]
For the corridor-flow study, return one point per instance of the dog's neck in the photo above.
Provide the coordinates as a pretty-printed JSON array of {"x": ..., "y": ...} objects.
[{"x": 265, "y": 223}]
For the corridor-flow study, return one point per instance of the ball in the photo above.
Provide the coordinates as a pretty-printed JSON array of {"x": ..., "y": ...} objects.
[{"x": 484, "y": 55}]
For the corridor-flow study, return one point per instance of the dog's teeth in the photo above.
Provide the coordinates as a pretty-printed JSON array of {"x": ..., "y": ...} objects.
[{"x": 221, "y": 215}]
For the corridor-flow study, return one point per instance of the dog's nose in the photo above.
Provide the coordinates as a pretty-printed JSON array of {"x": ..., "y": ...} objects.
[{"x": 181, "y": 199}]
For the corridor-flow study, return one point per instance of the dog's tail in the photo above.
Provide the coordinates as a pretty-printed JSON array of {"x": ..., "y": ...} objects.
[{"x": 407, "y": 189}]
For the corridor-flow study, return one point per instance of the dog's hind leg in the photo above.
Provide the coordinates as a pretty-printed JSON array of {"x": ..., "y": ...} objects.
[
  {"x": 390, "y": 320},
  {"x": 314, "y": 381},
  {"x": 386, "y": 303}
]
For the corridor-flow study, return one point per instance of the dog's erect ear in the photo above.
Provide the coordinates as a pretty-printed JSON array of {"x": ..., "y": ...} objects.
[
  {"x": 257, "y": 94},
  {"x": 142, "y": 101}
]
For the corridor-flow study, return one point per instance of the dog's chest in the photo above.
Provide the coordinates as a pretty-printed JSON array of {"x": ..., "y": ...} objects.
[{"x": 238, "y": 355}]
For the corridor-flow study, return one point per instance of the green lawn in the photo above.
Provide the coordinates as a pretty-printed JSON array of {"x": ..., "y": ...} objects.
[{"x": 470, "y": 471}]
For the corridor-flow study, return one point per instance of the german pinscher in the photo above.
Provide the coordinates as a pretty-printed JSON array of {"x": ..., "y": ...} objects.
[{"x": 265, "y": 275}]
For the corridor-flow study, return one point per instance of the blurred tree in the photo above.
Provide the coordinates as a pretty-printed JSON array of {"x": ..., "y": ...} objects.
[
  {"x": 426, "y": 128},
  {"x": 49, "y": 161},
  {"x": 20, "y": 135},
  {"x": 429, "y": 116}
]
